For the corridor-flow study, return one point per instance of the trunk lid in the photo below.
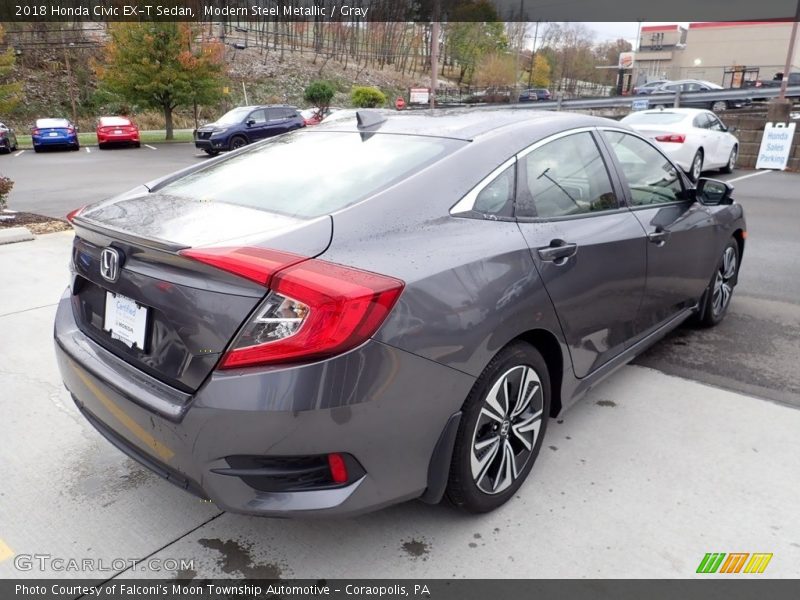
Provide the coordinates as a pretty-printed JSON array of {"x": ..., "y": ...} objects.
[{"x": 187, "y": 312}]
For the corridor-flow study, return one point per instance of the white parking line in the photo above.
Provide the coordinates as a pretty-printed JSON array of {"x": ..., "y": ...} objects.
[
  {"x": 151, "y": 147},
  {"x": 88, "y": 151},
  {"x": 20, "y": 152},
  {"x": 756, "y": 174}
]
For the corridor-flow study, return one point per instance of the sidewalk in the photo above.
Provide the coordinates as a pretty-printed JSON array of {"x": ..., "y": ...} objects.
[{"x": 642, "y": 478}]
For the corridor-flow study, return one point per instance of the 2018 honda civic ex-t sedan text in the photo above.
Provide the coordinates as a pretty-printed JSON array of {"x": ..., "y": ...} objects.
[{"x": 399, "y": 322}]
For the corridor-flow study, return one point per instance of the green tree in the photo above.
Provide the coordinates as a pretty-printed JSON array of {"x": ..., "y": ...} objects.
[
  {"x": 319, "y": 94},
  {"x": 367, "y": 97},
  {"x": 9, "y": 92},
  {"x": 473, "y": 32},
  {"x": 162, "y": 66}
]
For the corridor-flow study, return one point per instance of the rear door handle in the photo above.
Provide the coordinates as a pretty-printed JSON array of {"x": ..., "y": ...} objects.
[{"x": 558, "y": 252}]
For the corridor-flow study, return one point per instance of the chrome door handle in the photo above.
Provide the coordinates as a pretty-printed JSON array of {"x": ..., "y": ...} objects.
[{"x": 558, "y": 252}]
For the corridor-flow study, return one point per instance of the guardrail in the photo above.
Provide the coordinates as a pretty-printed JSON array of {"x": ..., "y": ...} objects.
[{"x": 663, "y": 99}]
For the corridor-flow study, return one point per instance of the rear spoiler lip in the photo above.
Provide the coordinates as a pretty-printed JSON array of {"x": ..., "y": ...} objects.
[{"x": 125, "y": 236}]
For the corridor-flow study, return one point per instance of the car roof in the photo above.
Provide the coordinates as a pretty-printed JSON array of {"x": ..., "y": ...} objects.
[{"x": 461, "y": 123}]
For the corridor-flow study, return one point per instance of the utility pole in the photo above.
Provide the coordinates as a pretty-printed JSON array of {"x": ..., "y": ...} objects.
[
  {"x": 434, "y": 58},
  {"x": 533, "y": 55},
  {"x": 69, "y": 79},
  {"x": 789, "y": 55}
]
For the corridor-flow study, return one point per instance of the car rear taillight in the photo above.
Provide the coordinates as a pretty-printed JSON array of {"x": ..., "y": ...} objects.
[
  {"x": 74, "y": 213},
  {"x": 35, "y": 132},
  {"x": 677, "y": 138},
  {"x": 314, "y": 308},
  {"x": 70, "y": 130}
]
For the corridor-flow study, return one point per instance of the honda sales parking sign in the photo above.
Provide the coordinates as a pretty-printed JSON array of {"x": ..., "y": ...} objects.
[{"x": 775, "y": 146}]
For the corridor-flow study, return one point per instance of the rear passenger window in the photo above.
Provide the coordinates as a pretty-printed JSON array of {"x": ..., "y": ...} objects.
[
  {"x": 258, "y": 117},
  {"x": 651, "y": 177},
  {"x": 497, "y": 197},
  {"x": 564, "y": 177}
]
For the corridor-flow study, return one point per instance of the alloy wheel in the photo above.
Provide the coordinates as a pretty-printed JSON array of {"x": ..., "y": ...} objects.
[
  {"x": 732, "y": 159},
  {"x": 718, "y": 106},
  {"x": 237, "y": 143},
  {"x": 723, "y": 289},
  {"x": 697, "y": 166},
  {"x": 507, "y": 429}
]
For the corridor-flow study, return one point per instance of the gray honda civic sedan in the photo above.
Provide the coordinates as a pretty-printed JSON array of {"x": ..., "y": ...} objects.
[{"x": 383, "y": 307}]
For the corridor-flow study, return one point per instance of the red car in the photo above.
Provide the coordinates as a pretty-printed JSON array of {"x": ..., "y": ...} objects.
[
  {"x": 313, "y": 116},
  {"x": 116, "y": 130}
]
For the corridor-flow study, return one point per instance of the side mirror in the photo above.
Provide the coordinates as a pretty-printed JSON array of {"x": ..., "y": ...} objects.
[
  {"x": 250, "y": 122},
  {"x": 713, "y": 192}
]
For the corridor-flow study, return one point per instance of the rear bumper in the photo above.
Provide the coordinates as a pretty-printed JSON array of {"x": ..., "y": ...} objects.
[
  {"x": 118, "y": 139},
  {"x": 384, "y": 406},
  {"x": 60, "y": 141}
]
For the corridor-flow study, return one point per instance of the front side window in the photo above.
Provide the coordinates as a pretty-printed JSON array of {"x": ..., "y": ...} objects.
[
  {"x": 257, "y": 117},
  {"x": 563, "y": 178},
  {"x": 651, "y": 177}
]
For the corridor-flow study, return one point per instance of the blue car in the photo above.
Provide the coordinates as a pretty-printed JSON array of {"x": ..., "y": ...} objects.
[
  {"x": 57, "y": 133},
  {"x": 245, "y": 125}
]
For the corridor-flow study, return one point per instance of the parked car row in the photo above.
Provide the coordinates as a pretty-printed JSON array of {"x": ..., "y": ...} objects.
[
  {"x": 55, "y": 132},
  {"x": 683, "y": 86},
  {"x": 535, "y": 95}
]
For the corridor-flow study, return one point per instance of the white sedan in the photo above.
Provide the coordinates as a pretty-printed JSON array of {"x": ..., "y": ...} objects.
[{"x": 695, "y": 139}]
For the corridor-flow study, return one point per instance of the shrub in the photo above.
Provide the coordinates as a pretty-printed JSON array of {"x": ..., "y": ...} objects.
[
  {"x": 367, "y": 97},
  {"x": 5, "y": 187},
  {"x": 319, "y": 94}
]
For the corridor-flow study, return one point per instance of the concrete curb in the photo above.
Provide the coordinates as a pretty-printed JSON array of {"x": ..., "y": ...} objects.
[{"x": 15, "y": 234}]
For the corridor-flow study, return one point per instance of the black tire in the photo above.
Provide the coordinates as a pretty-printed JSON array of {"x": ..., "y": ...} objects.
[
  {"x": 102, "y": 146},
  {"x": 718, "y": 106},
  {"x": 6, "y": 149},
  {"x": 695, "y": 170},
  {"x": 237, "y": 142},
  {"x": 14, "y": 147},
  {"x": 76, "y": 147},
  {"x": 718, "y": 295},
  {"x": 37, "y": 150},
  {"x": 137, "y": 145},
  {"x": 500, "y": 443},
  {"x": 211, "y": 152},
  {"x": 731, "y": 160}
]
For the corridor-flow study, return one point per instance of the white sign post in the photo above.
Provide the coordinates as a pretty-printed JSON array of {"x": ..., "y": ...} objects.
[
  {"x": 419, "y": 96},
  {"x": 776, "y": 146}
]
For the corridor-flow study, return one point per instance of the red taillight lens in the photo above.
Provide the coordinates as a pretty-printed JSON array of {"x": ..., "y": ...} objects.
[
  {"x": 338, "y": 467},
  {"x": 74, "y": 213},
  {"x": 70, "y": 130},
  {"x": 677, "y": 138},
  {"x": 314, "y": 309},
  {"x": 35, "y": 132},
  {"x": 255, "y": 264}
]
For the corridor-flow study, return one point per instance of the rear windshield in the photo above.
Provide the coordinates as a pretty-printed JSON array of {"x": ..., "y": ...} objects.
[
  {"x": 309, "y": 174},
  {"x": 659, "y": 118},
  {"x": 52, "y": 123},
  {"x": 111, "y": 121}
]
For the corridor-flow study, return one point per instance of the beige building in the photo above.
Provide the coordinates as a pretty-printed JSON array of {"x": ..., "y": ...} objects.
[{"x": 723, "y": 53}]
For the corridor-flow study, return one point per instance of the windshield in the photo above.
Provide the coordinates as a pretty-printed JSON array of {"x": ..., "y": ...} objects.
[
  {"x": 232, "y": 117},
  {"x": 654, "y": 118},
  {"x": 309, "y": 174}
]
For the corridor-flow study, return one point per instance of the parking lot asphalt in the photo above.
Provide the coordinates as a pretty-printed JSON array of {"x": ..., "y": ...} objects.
[
  {"x": 640, "y": 479},
  {"x": 55, "y": 182}
]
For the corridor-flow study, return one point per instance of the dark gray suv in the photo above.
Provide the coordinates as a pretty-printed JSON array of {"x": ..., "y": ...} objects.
[{"x": 398, "y": 323}]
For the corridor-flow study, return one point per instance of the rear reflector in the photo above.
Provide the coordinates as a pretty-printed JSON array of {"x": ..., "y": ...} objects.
[
  {"x": 677, "y": 138},
  {"x": 315, "y": 309}
]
